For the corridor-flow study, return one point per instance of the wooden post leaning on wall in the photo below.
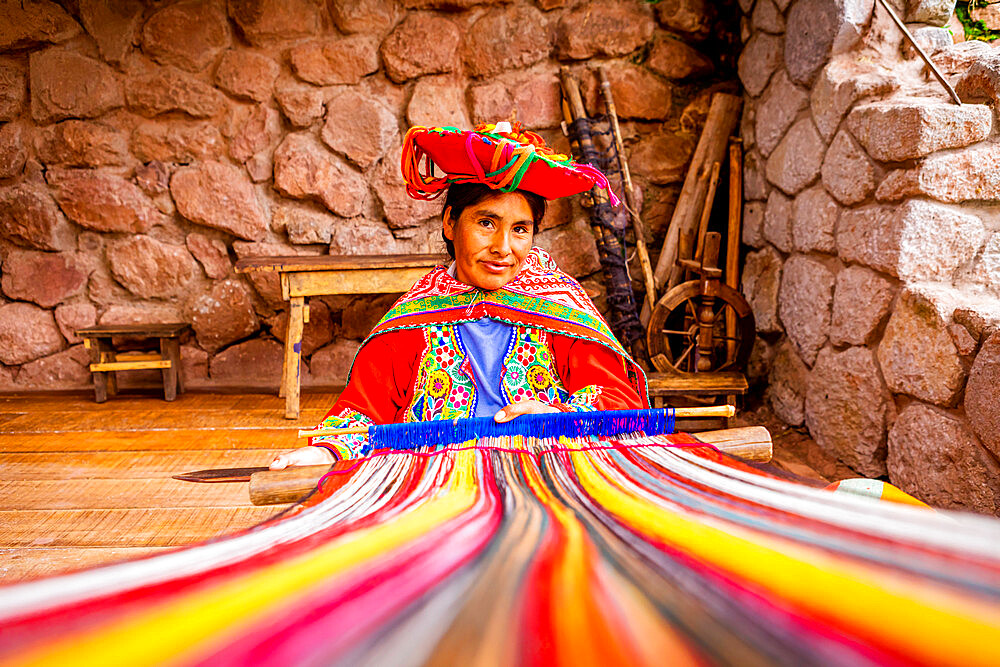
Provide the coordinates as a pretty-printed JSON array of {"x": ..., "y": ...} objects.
[{"x": 733, "y": 237}]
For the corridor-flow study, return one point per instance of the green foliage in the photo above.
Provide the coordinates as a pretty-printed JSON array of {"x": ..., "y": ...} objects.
[{"x": 974, "y": 29}]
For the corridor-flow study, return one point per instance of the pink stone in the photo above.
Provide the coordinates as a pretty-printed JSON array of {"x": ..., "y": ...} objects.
[
  {"x": 13, "y": 149},
  {"x": 247, "y": 74},
  {"x": 266, "y": 284},
  {"x": 505, "y": 38},
  {"x": 187, "y": 35},
  {"x": 210, "y": 253},
  {"x": 223, "y": 315},
  {"x": 861, "y": 303},
  {"x": 166, "y": 89},
  {"x": 982, "y": 394},
  {"x": 113, "y": 25},
  {"x": 638, "y": 93},
  {"x": 80, "y": 143},
  {"x": 338, "y": 60},
  {"x": 71, "y": 317},
  {"x": 421, "y": 44},
  {"x": 180, "y": 141},
  {"x": 255, "y": 363},
  {"x": 69, "y": 369},
  {"x": 27, "y": 332},
  {"x": 662, "y": 157},
  {"x": 152, "y": 178},
  {"x": 149, "y": 268},
  {"x": 674, "y": 59},
  {"x": 316, "y": 333},
  {"x": 65, "y": 84},
  {"x": 27, "y": 24},
  {"x": 302, "y": 104},
  {"x": 805, "y": 298},
  {"x": 219, "y": 195},
  {"x": 42, "y": 277},
  {"x": 847, "y": 172},
  {"x": 13, "y": 89},
  {"x": 29, "y": 217},
  {"x": 303, "y": 223},
  {"x": 103, "y": 202},
  {"x": 372, "y": 16},
  {"x": 265, "y": 22},
  {"x": 972, "y": 174},
  {"x": 359, "y": 126},
  {"x": 693, "y": 17},
  {"x": 437, "y": 102},
  {"x": 141, "y": 314},
  {"x": 259, "y": 131},
  {"x": 897, "y": 131},
  {"x": 400, "y": 209},
  {"x": 304, "y": 169},
  {"x": 603, "y": 29}
]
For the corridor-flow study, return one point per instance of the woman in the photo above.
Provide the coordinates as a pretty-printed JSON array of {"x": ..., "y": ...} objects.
[{"x": 501, "y": 332}]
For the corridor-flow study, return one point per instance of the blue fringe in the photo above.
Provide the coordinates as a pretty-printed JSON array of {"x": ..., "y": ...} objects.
[{"x": 570, "y": 424}]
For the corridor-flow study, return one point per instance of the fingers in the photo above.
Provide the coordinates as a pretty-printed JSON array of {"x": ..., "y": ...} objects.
[
  {"x": 303, "y": 456},
  {"x": 507, "y": 413},
  {"x": 280, "y": 462}
]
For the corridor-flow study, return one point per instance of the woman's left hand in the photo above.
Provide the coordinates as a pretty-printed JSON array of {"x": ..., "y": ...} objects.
[{"x": 522, "y": 408}]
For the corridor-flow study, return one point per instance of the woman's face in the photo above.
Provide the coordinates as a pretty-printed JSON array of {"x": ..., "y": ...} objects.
[{"x": 492, "y": 237}]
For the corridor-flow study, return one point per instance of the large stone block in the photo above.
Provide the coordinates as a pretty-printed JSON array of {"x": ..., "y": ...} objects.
[
  {"x": 805, "y": 300},
  {"x": 848, "y": 408},
  {"x": 222, "y": 315},
  {"x": 267, "y": 284},
  {"x": 210, "y": 253},
  {"x": 674, "y": 59},
  {"x": 437, "y": 101},
  {"x": 778, "y": 108},
  {"x": 28, "y": 24},
  {"x": 787, "y": 385},
  {"x": 814, "y": 221},
  {"x": 13, "y": 89},
  {"x": 534, "y": 93},
  {"x": 362, "y": 237},
  {"x": 302, "y": 104},
  {"x": 958, "y": 58},
  {"x": 603, "y": 29},
  {"x": 316, "y": 333},
  {"x": 778, "y": 221},
  {"x": 754, "y": 184},
  {"x": 258, "y": 129},
  {"x": 371, "y": 16},
  {"x": 149, "y": 268},
  {"x": 421, "y": 44},
  {"x": 13, "y": 149},
  {"x": 247, "y": 74},
  {"x": 981, "y": 83},
  {"x": 918, "y": 240},
  {"x": 691, "y": 17},
  {"x": 178, "y": 141},
  {"x": 304, "y": 224},
  {"x": 972, "y": 174},
  {"x": 847, "y": 172},
  {"x": 254, "y": 363},
  {"x": 141, "y": 313},
  {"x": 662, "y": 158},
  {"x": 760, "y": 58},
  {"x": 27, "y": 332},
  {"x": 987, "y": 269},
  {"x": 509, "y": 38},
  {"x": 65, "y": 84},
  {"x": 113, "y": 25},
  {"x": 304, "y": 169},
  {"x": 797, "y": 160},
  {"x": 266, "y": 22},
  {"x": 188, "y": 35},
  {"x": 69, "y": 369},
  {"x": 818, "y": 28},
  {"x": 933, "y": 12},
  {"x": 861, "y": 303},
  {"x": 42, "y": 277},
  {"x": 760, "y": 283},
  {"x": 934, "y": 456},
  {"x": 572, "y": 247},
  {"x": 982, "y": 394},
  {"x": 337, "y": 60},
  {"x": 897, "y": 131},
  {"x": 102, "y": 201},
  {"x": 767, "y": 17},
  {"x": 29, "y": 217},
  {"x": 638, "y": 93},
  {"x": 839, "y": 85},
  {"x": 219, "y": 195},
  {"x": 166, "y": 89},
  {"x": 71, "y": 317},
  {"x": 917, "y": 354},
  {"x": 753, "y": 224},
  {"x": 400, "y": 210},
  {"x": 80, "y": 143}
]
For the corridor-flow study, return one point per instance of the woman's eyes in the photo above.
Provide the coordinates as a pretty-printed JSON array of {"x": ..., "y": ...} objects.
[
  {"x": 486, "y": 222},
  {"x": 520, "y": 229}
]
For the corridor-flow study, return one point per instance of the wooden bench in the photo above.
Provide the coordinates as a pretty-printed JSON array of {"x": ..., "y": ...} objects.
[
  {"x": 323, "y": 275},
  {"x": 663, "y": 385},
  {"x": 163, "y": 354}
]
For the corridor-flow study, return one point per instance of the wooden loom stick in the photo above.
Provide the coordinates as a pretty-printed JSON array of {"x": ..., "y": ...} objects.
[
  {"x": 273, "y": 487},
  {"x": 706, "y": 213},
  {"x": 708, "y": 411},
  {"x": 733, "y": 235},
  {"x": 640, "y": 228},
  {"x": 723, "y": 114}
]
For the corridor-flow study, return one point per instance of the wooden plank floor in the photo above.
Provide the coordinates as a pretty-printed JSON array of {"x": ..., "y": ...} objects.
[{"x": 83, "y": 483}]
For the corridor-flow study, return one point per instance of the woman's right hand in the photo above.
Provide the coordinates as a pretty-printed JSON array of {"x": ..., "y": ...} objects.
[{"x": 303, "y": 456}]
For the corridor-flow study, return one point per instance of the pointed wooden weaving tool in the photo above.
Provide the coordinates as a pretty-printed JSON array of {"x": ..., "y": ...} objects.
[{"x": 219, "y": 475}]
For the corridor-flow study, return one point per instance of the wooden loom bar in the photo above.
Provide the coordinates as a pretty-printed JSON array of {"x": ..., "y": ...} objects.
[{"x": 105, "y": 367}]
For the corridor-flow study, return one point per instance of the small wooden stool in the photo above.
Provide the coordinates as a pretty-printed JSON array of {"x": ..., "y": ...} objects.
[
  {"x": 107, "y": 361},
  {"x": 725, "y": 384}
]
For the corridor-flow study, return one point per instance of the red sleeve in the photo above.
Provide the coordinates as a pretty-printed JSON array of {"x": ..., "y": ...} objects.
[
  {"x": 584, "y": 366},
  {"x": 382, "y": 376}
]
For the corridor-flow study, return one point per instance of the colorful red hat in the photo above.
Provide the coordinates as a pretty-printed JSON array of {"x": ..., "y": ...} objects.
[{"x": 501, "y": 156}]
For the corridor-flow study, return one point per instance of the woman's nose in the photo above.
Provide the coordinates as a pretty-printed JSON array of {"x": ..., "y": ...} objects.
[{"x": 500, "y": 243}]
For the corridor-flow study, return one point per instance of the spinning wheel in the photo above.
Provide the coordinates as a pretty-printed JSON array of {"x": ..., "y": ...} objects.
[{"x": 688, "y": 329}]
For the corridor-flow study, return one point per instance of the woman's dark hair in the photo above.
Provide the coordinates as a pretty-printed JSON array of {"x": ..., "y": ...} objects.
[{"x": 463, "y": 195}]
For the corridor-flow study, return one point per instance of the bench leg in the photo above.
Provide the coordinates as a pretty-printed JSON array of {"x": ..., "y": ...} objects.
[
  {"x": 293, "y": 356},
  {"x": 100, "y": 377},
  {"x": 169, "y": 352}
]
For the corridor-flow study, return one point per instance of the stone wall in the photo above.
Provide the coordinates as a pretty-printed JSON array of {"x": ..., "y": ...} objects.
[
  {"x": 147, "y": 145},
  {"x": 872, "y": 217}
]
